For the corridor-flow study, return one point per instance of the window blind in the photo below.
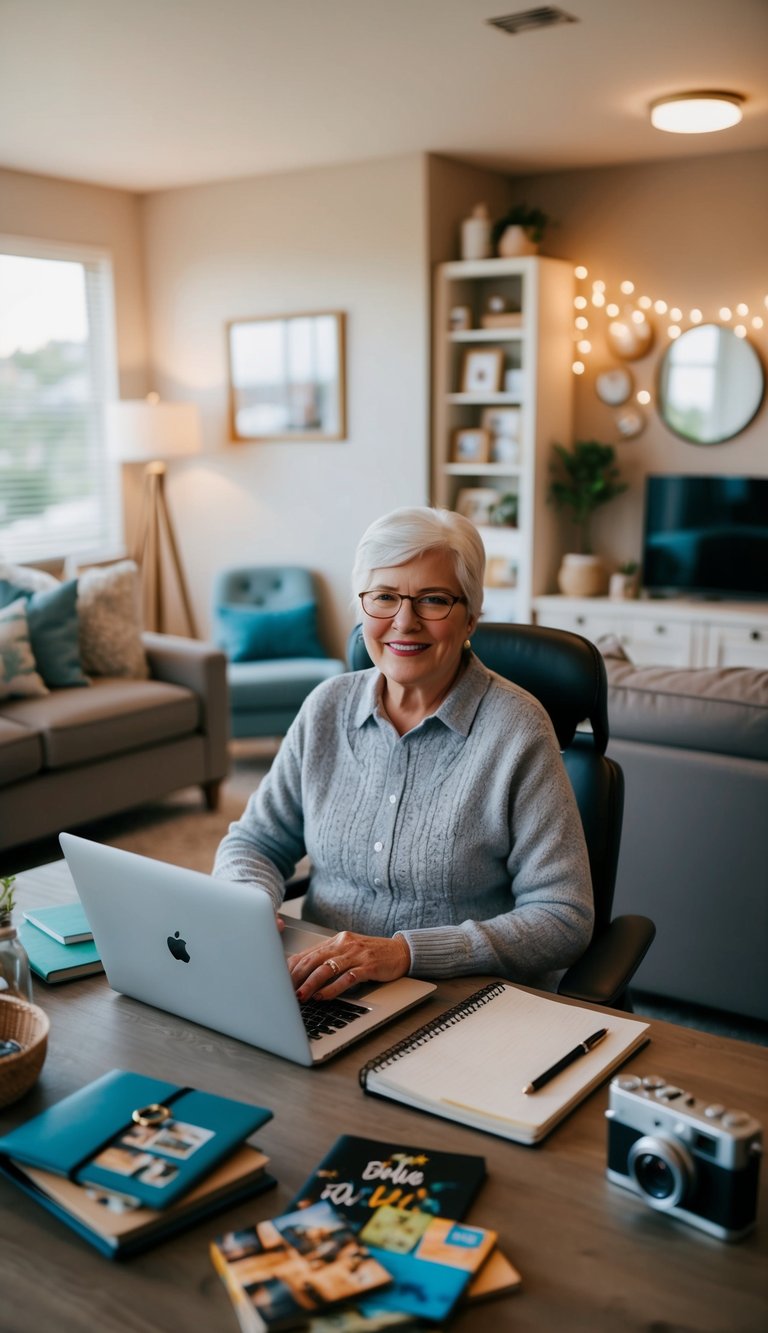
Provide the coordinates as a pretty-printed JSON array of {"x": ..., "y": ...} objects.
[{"x": 59, "y": 488}]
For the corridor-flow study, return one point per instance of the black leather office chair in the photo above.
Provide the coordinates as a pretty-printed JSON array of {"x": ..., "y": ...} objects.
[{"x": 567, "y": 674}]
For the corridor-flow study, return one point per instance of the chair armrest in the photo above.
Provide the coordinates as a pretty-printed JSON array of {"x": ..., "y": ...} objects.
[
  {"x": 201, "y": 668},
  {"x": 604, "y": 972},
  {"x": 296, "y": 888}
]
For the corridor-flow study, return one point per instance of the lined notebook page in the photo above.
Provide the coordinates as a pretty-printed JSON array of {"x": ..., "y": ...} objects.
[{"x": 475, "y": 1068}]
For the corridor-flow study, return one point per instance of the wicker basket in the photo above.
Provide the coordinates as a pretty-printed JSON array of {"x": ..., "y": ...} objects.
[{"x": 28, "y": 1025}]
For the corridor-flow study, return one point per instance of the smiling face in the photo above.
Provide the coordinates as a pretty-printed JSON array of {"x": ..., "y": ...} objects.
[{"x": 424, "y": 655}]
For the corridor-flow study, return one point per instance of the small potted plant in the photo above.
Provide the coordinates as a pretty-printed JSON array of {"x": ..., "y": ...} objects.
[
  {"x": 504, "y": 514},
  {"x": 624, "y": 584},
  {"x": 586, "y": 477},
  {"x": 519, "y": 231}
]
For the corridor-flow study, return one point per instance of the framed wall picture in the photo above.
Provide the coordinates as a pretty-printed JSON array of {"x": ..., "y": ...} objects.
[
  {"x": 470, "y": 445},
  {"x": 286, "y": 377},
  {"x": 482, "y": 370},
  {"x": 477, "y": 504}
]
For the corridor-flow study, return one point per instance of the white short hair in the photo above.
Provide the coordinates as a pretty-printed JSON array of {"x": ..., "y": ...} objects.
[{"x": 396, "y": 538}]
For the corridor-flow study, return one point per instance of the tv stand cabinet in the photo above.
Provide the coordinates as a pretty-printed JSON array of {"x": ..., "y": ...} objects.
[{"x": 667, "y": 631}]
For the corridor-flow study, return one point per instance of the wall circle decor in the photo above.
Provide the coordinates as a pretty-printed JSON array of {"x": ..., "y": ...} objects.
[
  {"x": 629, "y": 334},
  {"x": 630, "y": 423},
  {"x": 614, "y": 385},
  {"x": 711, "y": 384}
]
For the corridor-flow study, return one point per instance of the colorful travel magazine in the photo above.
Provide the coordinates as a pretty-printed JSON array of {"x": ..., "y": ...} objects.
[
  {"x": 278, "y": 1273},
  {"x": 359, "y": 1175},
  {"x": 431, "y": 1259}
]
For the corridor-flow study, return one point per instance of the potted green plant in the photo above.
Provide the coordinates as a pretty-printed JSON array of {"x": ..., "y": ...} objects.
[
  {"x": 625, "y": 583},
  {"x": 585, "y": 477},
  {"x": 519, "y": 231}
]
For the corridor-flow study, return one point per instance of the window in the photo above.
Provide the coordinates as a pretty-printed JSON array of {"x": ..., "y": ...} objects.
[{"x": 59, "y": 489}]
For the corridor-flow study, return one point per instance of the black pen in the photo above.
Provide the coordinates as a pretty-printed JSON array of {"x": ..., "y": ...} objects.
[{"x": 583, "y": 1048}]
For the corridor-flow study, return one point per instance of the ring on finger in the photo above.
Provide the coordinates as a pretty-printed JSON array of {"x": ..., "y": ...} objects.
[{"x": 333, "y": 965}]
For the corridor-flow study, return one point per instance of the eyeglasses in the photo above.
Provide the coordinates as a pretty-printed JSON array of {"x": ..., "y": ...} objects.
[{"x": 384, "y": 605}]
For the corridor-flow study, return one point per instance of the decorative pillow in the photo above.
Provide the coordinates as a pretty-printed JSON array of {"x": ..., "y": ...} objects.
[
  {"x": 18, "y": 677},
  {"x": 26, "y": 578},
  {"x": 109, "y": 615},
  {"x": 53, "y": 631},
  {"x": 251, "y": 634}
]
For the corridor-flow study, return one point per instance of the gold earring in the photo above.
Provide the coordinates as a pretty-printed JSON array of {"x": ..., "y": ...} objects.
[{"x": 467, "y": 643}]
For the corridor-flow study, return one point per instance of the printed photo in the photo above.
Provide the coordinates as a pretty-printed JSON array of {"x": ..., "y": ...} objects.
[
  {"x": 177, "y": 1139},
  {"x": 138, "y": 1136},
  {"x": 112, "y": 1201},
  {"x": 477, "y": 503},
  {"x": 159, "y": 1173},
  {"x": 123, "y": 1161}
]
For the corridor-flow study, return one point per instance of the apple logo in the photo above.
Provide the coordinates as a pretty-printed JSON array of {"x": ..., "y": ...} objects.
[{"x": 178, "y": 948}]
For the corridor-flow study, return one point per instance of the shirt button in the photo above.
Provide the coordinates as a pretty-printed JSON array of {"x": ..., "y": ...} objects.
[
  {"x": 377, "y": 880},
  {"x": 392, "y": 800},
  {"x": 377, "y": 846}
]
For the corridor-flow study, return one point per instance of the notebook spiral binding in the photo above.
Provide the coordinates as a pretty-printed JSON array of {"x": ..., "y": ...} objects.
[{"x": 430, "y": 1030}]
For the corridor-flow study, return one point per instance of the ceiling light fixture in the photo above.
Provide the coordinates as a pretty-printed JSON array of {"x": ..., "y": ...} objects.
[{"x": 696, "y": 113}]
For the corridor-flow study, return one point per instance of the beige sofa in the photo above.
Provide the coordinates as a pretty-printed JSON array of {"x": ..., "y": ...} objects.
[
  {"x": 74, "y": 754},
  {"x": 693, "y": 745}
]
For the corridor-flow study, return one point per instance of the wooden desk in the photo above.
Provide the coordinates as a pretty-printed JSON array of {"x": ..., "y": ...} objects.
[{"x": 592, "y": 1256}]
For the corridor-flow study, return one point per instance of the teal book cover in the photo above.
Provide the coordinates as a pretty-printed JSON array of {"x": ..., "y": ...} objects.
[
  {"x": 93, "y": 1137},
  {"x": 54, "y": 962},
  {"x": 68, "y": 924}
]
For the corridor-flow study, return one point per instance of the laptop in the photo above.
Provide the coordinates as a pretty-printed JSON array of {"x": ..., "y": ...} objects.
[{"x": 210, "y": 950}]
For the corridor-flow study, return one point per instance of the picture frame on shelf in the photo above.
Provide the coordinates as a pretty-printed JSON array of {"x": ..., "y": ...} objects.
[
  {"x": 477, "y": 503},
  {"x": 459, "y": 319},
  {"x": 470, "y": 445},
  {"x": 482, "y": 370},
  {"x": 501, "y": 572},
  {"x": 503, "y": 426}
]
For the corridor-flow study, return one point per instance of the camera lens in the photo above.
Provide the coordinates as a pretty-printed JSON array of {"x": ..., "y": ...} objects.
[
  {"x": 654, "y": 1176},
  {"x": 661, "y": 1168}
]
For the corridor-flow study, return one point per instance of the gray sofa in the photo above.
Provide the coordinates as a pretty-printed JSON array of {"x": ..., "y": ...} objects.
[
  {"x": 78, "y": 754},
  {"x": 693, "y": 745}
]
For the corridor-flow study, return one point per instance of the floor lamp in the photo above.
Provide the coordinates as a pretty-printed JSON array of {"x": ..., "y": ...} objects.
[{"x": 150, "y": 432}]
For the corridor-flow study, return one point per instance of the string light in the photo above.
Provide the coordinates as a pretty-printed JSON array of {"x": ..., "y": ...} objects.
[
  {"x": 633, "y": 316},
  {"x": 643, "y": 397}
]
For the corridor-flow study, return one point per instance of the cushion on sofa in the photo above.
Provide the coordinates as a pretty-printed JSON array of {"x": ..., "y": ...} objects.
[
  {"x": 21, "y": 753},
  {"x": 53, "y": 630},
  {"x": 112, "y": 717},
  {"x": 18, "y": 670},
  {"x": 27, "y": 577},
  {"x": 724, "y": 710},
  {"x": 109, "y": 616}
]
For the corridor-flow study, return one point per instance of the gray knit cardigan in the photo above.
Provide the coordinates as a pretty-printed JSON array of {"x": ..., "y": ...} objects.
[{"x": 463, "y": 835}]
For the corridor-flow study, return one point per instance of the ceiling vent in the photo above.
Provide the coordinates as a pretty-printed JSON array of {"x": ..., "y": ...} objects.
[{"x": 545, "y": 16}]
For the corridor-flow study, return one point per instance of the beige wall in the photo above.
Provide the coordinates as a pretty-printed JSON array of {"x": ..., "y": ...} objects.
[
  {"x": 349, "y": 238},
  {"x": 693, "y": 233},
  {"x": 58, "y": 210}
]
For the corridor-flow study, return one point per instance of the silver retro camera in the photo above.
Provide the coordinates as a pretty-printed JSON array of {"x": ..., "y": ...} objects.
[{"x": 691, "y": 1158}]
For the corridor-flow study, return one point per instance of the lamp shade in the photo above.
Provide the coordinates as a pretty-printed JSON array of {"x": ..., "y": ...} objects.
[{"x": 139, "y": 431}]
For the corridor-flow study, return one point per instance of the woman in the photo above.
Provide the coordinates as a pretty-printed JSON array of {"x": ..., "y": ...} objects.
[{"x": 428, "y": 792}]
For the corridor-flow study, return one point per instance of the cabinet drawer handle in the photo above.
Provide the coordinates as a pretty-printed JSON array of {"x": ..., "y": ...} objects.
[
  {"x": 660, "y": 629},
  {"x": 581, "y": 620},
  {"x": 756, "y": 635}
]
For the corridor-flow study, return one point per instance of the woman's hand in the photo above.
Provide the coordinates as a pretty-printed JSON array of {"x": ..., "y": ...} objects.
[{"x": 344, "y": 960}]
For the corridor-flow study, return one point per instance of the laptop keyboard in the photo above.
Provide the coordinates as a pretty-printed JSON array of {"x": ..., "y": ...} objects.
[{"x": 322, "y": 1017}]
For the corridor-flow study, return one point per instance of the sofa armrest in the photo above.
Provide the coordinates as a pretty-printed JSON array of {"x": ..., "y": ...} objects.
[
  {"x": 201, "y": 668},
  {"x": 604, "y": 972}
]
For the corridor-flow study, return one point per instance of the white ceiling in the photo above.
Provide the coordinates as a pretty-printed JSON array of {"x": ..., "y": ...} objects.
[{"x": 146, "y": 94}]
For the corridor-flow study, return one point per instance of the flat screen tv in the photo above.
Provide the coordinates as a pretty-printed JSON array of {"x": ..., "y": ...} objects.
[{"x": 706, "y": 536}]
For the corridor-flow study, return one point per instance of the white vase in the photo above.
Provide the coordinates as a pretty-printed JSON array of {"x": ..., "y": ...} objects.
[
  {"x": 582, "y": 576},
  {"x": 476, "y": 234},
  {"x": 515, "y": 242}
]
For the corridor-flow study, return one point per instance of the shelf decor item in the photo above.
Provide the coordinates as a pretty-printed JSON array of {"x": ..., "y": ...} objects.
[
  {"x": 477, "y": 503},
  {"x": 476, "y": 234},
  {"x": 519, "y": 232},
  {"x": 625, "y": 583},
  {"x": 482, "y": 370},
  {"x": 470, "y": 445}
]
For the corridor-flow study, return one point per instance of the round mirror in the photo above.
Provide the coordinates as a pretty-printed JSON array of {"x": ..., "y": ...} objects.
[{"x": 711, "y": 384}]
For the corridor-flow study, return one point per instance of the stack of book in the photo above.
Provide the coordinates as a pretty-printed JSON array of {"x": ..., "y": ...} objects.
[
  {"x": 128, "y": 1160},
  {"x": 59, "y": 943},
  {"x": 376, "y": 1230}
]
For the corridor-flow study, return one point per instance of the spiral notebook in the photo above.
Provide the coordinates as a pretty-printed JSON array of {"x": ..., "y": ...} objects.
[{"x": 472, "y": 1062}]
